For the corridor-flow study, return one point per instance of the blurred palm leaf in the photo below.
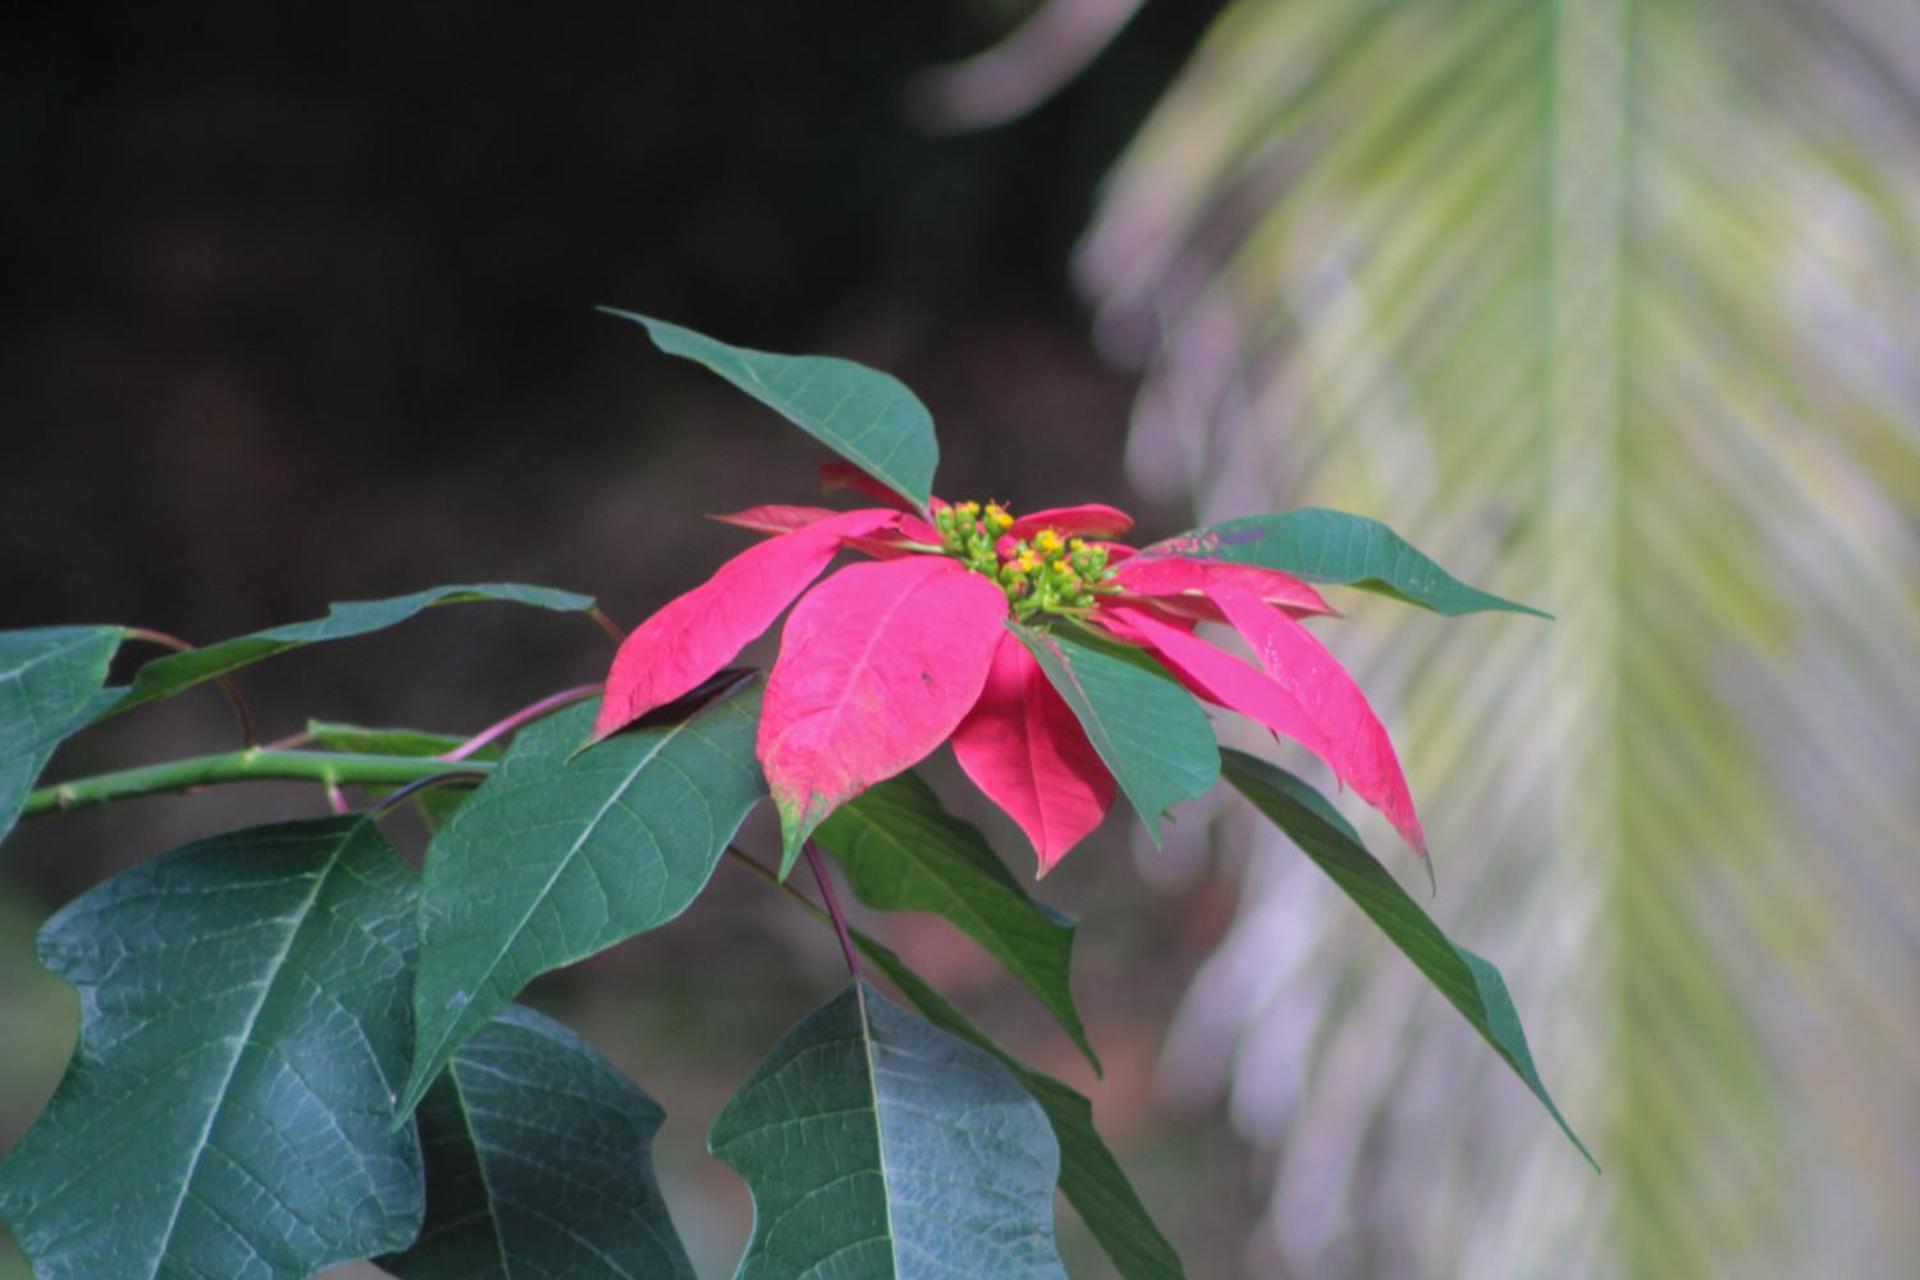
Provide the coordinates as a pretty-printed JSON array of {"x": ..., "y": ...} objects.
[{"x": 1612, "y": 306}]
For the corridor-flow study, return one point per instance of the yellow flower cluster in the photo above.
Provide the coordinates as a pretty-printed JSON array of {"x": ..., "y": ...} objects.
[{"x": 1044, "y": 574}]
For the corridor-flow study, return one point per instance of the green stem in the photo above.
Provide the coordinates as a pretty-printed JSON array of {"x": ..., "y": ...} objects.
[{"x": 332, "y": 768}]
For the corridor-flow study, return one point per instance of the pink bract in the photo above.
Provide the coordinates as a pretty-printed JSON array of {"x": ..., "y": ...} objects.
[
  {"x": 703, "y": 630},
  {"x": 1024, "y": 748},
  {"x": 885, "y": 661},
  {"x": 877, "y": 668}
]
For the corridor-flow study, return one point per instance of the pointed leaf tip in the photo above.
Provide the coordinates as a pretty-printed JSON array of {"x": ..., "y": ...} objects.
[
  {"x": 1354, "y": 743},
  {"x": 877, "y": 667},
  {"x": 698, "y": 633},
  {"x": 1469, "y": 983},
  {"x": 177, "y": 672},
  {"x": 1333, "y": 546},
  {"x": 867, "y": 417},
  {"x": 1025, "y": 749}
]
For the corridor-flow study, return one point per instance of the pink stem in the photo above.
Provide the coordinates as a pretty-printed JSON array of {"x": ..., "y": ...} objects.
[
  {"x": 607, "y": 625},
  {"x": 547, "y": 705},
  {"x": 833, "y": 908}
]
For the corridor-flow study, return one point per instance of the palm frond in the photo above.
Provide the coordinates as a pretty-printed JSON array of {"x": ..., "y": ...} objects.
[{"x": 1613, "y": 306}]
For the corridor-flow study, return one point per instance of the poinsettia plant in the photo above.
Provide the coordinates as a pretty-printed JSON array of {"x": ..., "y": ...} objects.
[{"x": 295, "y": 1052}]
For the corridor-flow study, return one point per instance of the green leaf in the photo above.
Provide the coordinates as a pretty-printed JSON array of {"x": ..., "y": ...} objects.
[
  {"x": 164, "y": 677},
  {"x": 49, "y": 678},
  {"x": 1332, "y": 546},
  {"x": 1150, "y": 732},
  {"x": 229, "y": 1109},
  {"x": 539, "y": 1164},
  {"x": 903, "y": 851},
  {"x": 562, "y": 853},
  {"x": 1469, "y": 983},
  {"x": 876, "y": 1144},
  {"x": 867, "y": 417},
  {"x": 1090, "y": 1178}
]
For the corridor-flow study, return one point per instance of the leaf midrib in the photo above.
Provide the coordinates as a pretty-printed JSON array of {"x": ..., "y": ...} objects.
[
  {"x": 480, "y": 1163},
  {"x": 560, "y": 868},
  {"x": 879, "y": 1124},
  {"x": 244, "y": 1038}
]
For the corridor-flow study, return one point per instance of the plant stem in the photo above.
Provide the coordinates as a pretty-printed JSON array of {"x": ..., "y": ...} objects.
[
  {"x": 241, "y": 711},
  {"x": 551, "y": 703},
  {"x": 817, "y": 863},
  {"x": 414, "y": 788},
  {"x": 607, "y": 625},
  {"x": 773, "y": 880},
  {"x": 326, "y": 767}
]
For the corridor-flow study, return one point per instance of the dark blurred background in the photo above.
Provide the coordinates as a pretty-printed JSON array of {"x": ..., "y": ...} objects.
[{"x": 299, "y": 308}]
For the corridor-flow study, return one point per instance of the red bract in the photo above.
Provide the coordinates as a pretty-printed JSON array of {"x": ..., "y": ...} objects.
[
  {"x": 1022, "y": 746},
  {"x": 885, "y": 661}
]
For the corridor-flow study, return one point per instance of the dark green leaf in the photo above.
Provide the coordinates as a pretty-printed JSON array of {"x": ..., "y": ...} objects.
[
  {"x": 1149, "y": 731},
  {"x": 904, "y": 852},
  {"x": 229, "y": 1109},
  {"x": 164, "y": 677},
  {"x": 1332, "y": 546},
  {"x": 1473, "y": 986},
  {"x": 539, "y": 1164},
  {"x": 867, "y": 417},
  {"x": 1090, "y": 1178},
  {"x": 49, "y": 678},
  {"x": 562, "y": 853},
  {"x": 876, "y": 1144}
]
